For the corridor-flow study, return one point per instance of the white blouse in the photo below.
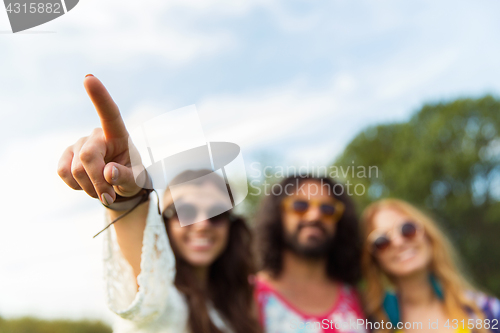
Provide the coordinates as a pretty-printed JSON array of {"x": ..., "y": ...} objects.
[{"x": 158, "y": 307}]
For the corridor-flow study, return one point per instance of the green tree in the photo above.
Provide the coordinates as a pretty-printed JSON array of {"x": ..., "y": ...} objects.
[{"x": 446, "y": 160}]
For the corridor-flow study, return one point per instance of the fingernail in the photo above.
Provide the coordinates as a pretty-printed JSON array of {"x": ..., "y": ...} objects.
[
  {"x": 89, "y": 75},
  {"x": 114, "y": 173},
  {"x": 106, "y": 199}
]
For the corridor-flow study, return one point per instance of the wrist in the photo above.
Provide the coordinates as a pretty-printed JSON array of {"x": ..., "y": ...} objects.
[{"x": 124, "y": 203}]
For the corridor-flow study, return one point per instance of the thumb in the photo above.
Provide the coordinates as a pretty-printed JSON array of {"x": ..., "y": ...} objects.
[{"x": 122, "y": 179}]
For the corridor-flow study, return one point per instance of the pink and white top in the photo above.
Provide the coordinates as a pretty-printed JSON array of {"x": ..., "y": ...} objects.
[{"x": 277, "y": 315}]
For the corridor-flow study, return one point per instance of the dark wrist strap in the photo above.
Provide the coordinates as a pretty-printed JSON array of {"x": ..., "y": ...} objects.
[
  {"x": 135, "y": 201},
  {"x": 126, "y": 203}
]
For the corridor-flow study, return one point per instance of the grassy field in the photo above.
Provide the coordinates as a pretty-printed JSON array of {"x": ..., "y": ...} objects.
[{"x": 33, "y": 325}]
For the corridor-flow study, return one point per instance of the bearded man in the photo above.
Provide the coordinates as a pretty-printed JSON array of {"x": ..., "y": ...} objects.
[{"x": 309, "y": 246}]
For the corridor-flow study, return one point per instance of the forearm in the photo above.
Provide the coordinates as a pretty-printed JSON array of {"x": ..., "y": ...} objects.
[{"x": 129, "y": 233}]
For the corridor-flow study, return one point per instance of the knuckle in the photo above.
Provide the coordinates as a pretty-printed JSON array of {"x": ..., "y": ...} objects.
[
  {"x": 78, "y": 171},
  {"x": 63, "y": 171},
  {"x": 69, "y": 150},
  {"x": 86, "y": 155}
]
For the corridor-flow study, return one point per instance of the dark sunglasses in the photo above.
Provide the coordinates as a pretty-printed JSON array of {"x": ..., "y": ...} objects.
[
  {"x": 190, "y": 213},
  {"x": 330, "y": 208},
  {"x": 380, "y": 241}
]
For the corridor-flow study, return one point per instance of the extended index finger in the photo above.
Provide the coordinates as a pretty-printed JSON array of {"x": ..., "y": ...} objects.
[{"x": 109, "y": 114}]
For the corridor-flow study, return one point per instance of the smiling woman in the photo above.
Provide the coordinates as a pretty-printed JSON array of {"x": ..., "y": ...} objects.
[
  {"x": 406, "y": 252},
  {"x": 185, "y": 272},
  {"x": 215, "y": 251}
]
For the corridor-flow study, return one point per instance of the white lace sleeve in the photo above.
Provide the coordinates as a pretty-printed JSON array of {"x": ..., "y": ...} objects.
[{"x": 157, "y": 305}]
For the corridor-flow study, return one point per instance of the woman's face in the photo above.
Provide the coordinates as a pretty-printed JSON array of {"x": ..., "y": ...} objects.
[
  {"x": 405, "y": 255},
  {"x": 200, "y": 243}
]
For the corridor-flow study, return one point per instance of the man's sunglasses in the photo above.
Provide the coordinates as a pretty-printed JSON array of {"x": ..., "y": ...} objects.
[
  {"x": 379, "y": 241},
  {"x": 332, "y": 209},
  {"x": 190, "y": 212}
]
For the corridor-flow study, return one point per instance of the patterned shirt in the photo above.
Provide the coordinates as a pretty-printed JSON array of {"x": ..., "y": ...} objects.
[{"x": 277, "y": 315}]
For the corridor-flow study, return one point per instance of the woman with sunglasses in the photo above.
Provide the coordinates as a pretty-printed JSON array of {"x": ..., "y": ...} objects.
[
  {"x": 412, "y": 282},
  {"x": 162, "y": 277}
]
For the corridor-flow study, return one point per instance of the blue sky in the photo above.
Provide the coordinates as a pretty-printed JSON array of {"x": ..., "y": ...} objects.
[{"x": 295, "y": 79}]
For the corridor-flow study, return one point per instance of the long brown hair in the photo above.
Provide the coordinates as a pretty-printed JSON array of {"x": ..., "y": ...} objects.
[
  {"x": 228, "y": 287},
  {"x": 443, "y": 265}
]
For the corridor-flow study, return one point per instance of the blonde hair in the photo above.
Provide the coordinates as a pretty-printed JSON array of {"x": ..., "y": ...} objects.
[{"x": 443, "y": 265}]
